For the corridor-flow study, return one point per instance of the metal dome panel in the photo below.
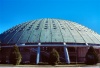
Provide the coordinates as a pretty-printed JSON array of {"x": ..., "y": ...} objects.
[{"x": 49, "y": 31}]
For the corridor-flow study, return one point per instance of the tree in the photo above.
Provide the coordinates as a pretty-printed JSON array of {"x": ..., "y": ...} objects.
[
  {"x": 91, "y": 56},
  {"x": 54, "y": 57},
  {"x": 15, "y": 56}
]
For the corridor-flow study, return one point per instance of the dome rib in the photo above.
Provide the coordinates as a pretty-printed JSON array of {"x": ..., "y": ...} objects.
[
  {"x": 57, "y": 32},
  {"x": 61, "y": 30},
  {"x": 78, "y": 33},
  {"x": 70, "y": 34},
  {"x": 77, "y": 28}
]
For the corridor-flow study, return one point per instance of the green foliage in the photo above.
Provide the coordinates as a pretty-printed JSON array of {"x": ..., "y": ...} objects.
[
  {"x": 15, "y": 56},
  {"x": 91, "y": 56},
  {"x": 54, "y": 57}
]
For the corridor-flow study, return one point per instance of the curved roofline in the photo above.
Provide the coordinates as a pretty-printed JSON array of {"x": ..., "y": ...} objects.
[{"x": 50, "y": 30}]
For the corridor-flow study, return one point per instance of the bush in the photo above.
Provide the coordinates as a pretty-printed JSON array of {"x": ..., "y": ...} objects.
[
  {"x": 15, "y": 56},
  {"x": 54, "y": 57},
  {"x": 91, "y": 56}
]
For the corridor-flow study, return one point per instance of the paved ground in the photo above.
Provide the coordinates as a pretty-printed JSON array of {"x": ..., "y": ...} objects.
[
  {"x": 50, "y": 66},
  {"x": 53, "y": 67}
]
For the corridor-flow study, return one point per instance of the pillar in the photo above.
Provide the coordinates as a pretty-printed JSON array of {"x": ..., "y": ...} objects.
[
  {"x": 38, "y": 55},
  {"x": 66, "y": 55}
]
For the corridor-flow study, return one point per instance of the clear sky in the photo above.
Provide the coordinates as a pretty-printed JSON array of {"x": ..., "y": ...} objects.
[{"x": 85, "y": 12}]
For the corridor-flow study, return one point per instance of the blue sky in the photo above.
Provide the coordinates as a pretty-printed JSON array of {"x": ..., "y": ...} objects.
[{"x": 85, "y": 12}]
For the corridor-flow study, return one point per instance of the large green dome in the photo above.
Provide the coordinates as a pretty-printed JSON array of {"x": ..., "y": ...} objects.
[{"x": 49, "y": 31}]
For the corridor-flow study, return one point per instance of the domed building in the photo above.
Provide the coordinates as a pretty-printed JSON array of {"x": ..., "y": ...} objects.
[{"x": 38, "y": 37}]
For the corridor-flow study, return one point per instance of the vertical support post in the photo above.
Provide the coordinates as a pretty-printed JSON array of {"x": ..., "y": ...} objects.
[
  {"x": 76, "y": 54},
  {"x": 38, "y": 54},
  {"x": 66, "y": 55}
]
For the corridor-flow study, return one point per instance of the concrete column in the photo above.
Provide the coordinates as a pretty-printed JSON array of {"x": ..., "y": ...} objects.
[
  {"x": 66, "y": 55},
  {"x": 38, "y": 55}
]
